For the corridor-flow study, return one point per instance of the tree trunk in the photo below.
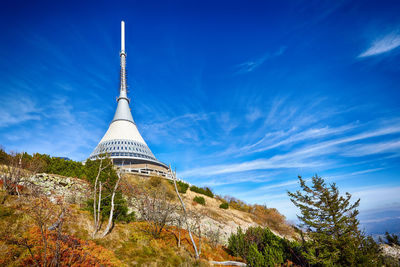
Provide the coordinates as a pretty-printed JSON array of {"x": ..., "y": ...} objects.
[
  {"x": 95, "y": 218},
  {"x": 110, "y": 218},
  {"x": 96, "y": 223},
  {"x": 230, "y": 263},
  {"x": 185, "y": 215}
]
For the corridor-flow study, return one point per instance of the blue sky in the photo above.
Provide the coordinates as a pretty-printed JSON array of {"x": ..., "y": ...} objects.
[{"x": 242, "y": 96}]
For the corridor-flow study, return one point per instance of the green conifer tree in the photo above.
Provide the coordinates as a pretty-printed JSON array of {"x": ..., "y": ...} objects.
[{"x": 331, "y": 224}]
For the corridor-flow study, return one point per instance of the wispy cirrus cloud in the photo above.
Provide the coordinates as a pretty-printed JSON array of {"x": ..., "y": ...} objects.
[
  {"x": 382, "y": 45},
  {"x": 253, "y": 64},
  {"x": 374, "y": 148},
  {"x": 15, "y": 110},
  {"x": 181, "y": 128},
  {"x": 309, "y": 154}
]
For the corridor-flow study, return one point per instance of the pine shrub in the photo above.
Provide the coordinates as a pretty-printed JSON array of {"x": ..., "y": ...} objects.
[
  {"x": 182, "y": 186},
  {"x": 260, "y": 247},
  {"x": 204, "y": 191},
  {"x": 199, "y": 200},
  {"x": 255, "y": 258},
  {"x": 224, "y": 206}
]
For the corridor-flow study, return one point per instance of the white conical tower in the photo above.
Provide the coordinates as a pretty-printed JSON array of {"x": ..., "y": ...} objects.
[{"x": 122, "y": 141}]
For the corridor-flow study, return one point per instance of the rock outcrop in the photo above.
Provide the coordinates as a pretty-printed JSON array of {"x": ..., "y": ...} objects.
[
  {"x": 391, "y": 251},
  {"x": 73, "y": 190}
]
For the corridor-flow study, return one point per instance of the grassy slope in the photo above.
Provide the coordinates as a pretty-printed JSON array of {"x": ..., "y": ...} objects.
[{"x": 128, "y": 243}]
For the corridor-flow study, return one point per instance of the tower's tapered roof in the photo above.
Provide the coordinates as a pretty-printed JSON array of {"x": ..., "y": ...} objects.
[{"x": 122, "y": 141}]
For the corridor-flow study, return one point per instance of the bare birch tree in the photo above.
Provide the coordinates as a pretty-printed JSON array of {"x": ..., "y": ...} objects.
[
  {"x": 110, "y": 217},
  {"x": 97, "y": 198},
  {"x": 184, "y": 213},
  {"x": 104, "y": 179}
]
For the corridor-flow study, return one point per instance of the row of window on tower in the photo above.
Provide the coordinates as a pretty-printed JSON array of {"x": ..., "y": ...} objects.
[
  {"x": 107, "y": 149},
  {"x": 131, "y": 146},
  {"x": 123, "y": 143},
  {"x": 126, "y": 154}
]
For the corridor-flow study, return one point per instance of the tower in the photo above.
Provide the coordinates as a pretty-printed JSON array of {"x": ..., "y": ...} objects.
[{"x": 122, "y": 141}]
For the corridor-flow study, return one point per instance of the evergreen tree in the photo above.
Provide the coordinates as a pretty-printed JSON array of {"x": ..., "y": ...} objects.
[
  {"x": 329, "y": 220},
  {"x": 391, "y": 239},
  {"x": 331, "y": 226}
]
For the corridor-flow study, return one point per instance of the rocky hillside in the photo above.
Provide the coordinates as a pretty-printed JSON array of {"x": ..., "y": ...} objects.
[
  {"x": 128, "y": 243},
  {"x": 214, "y": 218},
  {"x": 37, "y": 208},
  {"x": 72, "y": 190}
]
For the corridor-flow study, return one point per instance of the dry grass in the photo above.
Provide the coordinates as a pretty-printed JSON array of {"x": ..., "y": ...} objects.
[
  {"x": 130, "y": 244},
  {"x": 242, "y": 215},
  {"x": 127, "y": 243}
]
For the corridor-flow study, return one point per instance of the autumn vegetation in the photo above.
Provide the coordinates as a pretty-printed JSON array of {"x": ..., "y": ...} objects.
[
  {"x": 122, "y": 223},
  {"x": 127, "y": 221}
]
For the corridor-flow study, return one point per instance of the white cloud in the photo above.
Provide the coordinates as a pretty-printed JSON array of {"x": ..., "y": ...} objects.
[
  {"x": 308, "y": 156},
  {"x": 16, "y": 109},
  {"x": 276, "y": 162},
  {"x": 253, "y": 64},
  {"x": 253, "y": 115},
  {"x": 383, "y": 45},
  {"x": 313, "y": 133},
  {"x": 181, "y": 129},
  {"x": 380, "y": 219},
  {"x": 388, "y": 196},
  {"x": 374, "y": 148}
]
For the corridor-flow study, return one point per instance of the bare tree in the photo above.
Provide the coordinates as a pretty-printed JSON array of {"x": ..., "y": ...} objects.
[
  {"x": 57, "y": 226},
  {"x": 154, "y": 204},
  {"x": 195, "y": 222},
  {"x": 97, "y": 198},
  {"x": 185, "y": 214},
  {"x": 13, "y": 174},
  {"x": 179, "y": 221},
  {"x": 47, "y": 217},
  {"x": 16, "y": 169},
  {"x": 213, "y": 236},
  {"x": 110, "y": 217}
]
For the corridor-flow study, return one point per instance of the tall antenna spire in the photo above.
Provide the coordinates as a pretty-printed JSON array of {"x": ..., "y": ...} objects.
[
  {"x": 123, "y": 111},
  {"x": 122, "y": 55},
  {"x": 122, "y": 36}
]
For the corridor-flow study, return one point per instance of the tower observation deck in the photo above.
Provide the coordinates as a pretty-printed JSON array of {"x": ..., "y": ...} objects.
[{"x": 122, "y": 141}]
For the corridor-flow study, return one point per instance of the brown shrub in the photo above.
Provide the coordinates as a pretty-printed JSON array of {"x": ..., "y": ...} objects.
[{"x": 271, "y": 218}]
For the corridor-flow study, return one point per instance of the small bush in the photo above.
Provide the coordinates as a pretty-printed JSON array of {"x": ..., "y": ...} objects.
[
  {"x": 260, "y": 247},
  {"x": 182, "y": 186},
  {"x": 224, "y": 206},
  {"x": 199, "y": 200},
  {"x": 5, "y": 211},
  {"x": 155, "y": 181},
  {"x": 237, "y": 204},
  {"x": 204, "y": 191},
  {"x": 127, "y": 218}
]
